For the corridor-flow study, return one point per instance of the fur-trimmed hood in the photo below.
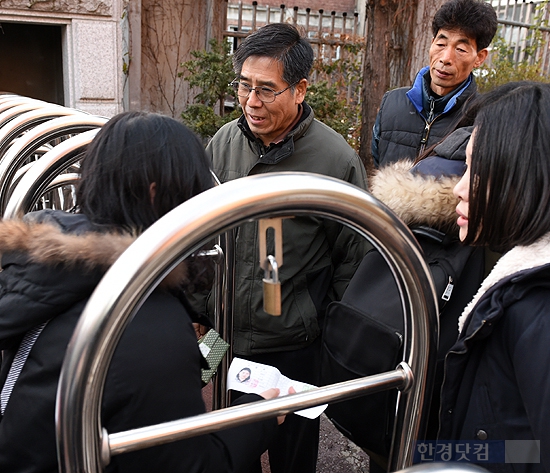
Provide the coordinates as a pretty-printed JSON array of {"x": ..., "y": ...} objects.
[
  {"x": 52, "y": 261},
  {"x": 417, "y": 199},
  {"x": 46, "y": 243},
  {"x": 54, "y": 237}
]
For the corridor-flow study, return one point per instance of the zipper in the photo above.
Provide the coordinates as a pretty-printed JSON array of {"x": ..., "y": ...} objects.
[
  {"x": 462, "y": 352},
  {"x": 429, "y": 122},
  {"x": 449, "y": 272},
  {"x": 448, "y": 290}
]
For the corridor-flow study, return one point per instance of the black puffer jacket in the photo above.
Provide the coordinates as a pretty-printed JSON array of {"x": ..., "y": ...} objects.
[
  {"x": 49, "y": 271},
  {"x": 496, "y": 383},
  {"x": 405, "y": 125},
  {"x": 422, "y": 196}
]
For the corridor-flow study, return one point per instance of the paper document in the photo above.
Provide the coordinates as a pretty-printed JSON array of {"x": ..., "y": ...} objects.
[{"x": 249, "y": 377}]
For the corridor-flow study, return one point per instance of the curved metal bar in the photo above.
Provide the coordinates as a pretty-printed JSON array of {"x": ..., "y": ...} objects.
[
  {"x": 17, "y": 125},
  {"x": 175, "y": 236},
  {"x": 66, "y": 179},
  {"x": 17, "y": 99},
  {"x": 14, "y": 107},
  {"x": 441, "y": 467},
  {"x": 52, "y": 201},
  {"x": 23, "y": 147},
  {"x": 36, "y": 181},
  {"x": 25, "y": 167},
  {"x": 60, "y": 193},
  {"x": 20, "y": 173},
  {"x": 146, "y": 437},
  {"x": 6, "y": 96}
]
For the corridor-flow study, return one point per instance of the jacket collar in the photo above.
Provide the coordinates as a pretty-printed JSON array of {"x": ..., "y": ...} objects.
[
  {"x": 418, "y": 94},
  {"x": 520, "y": 261},
  {"x": 59, "y": 238},
  {"x": 276, "y": 152}
]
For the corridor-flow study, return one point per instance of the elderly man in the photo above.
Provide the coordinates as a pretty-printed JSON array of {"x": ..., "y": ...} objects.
[
  {"x": 411, "y": 119},
  {"x": 278, "y": 132}
]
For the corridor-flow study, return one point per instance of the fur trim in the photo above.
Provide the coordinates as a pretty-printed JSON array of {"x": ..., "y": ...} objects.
[
  {"x": 417, "y": 199},
  {"x": 47, "y": 244},
  {"x": 519, "y": 258}
]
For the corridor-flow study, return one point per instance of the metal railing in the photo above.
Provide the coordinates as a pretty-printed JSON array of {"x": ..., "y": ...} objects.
[
  {"x": 40, "y": 134},
  {"x": 330, "y": 32},
  {"x": 333, "y": 35},
  {"x": 33, "y": 132},
  {"x": 48, "y": 173},
  {"x": 449, "y": 467},
  {"x": 83, "y": 445},
  {"x": 327, "y": 31}
]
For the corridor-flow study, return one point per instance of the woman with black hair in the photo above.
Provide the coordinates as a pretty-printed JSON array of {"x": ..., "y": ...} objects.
[
  {"x": 421, "y": 194},
  {"x": 244, "y": 375},
  {"x": 496, "y": 386},
  {"x": 139, "y": 167}
]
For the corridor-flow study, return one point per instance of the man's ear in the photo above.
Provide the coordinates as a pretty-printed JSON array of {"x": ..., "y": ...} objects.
[
  {"x": 300, "y": 91},
  {"x": 481, "y": 56}
]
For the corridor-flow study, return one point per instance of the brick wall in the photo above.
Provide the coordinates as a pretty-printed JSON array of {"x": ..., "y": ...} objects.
[{"x": 327, "y": 6}]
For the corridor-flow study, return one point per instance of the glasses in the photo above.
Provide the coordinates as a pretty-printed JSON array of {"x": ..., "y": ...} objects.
[{"x": 264, "y": 94}]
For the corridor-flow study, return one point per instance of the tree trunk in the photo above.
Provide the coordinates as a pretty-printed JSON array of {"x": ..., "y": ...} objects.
[
  {"x": 423, "y": 35},
  {"x": 398, "y": 37},
  {"x": 170, "y": 30}
]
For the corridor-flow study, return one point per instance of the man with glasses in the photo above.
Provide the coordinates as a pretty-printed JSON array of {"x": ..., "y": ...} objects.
[{"x": 277, "y": 132}]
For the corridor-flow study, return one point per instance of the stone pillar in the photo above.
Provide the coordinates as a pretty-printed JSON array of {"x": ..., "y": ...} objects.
[{"x": 91, "y": 48}]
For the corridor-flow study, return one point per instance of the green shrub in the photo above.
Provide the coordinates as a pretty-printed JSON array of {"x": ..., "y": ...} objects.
[
  {"x": 504, "y": 68},
  {"x": 335, "y": 111},
  {"x": 335, "y": 94},
  {"x": 211, "y": 72},
  {"x": 204, "y": 121}
]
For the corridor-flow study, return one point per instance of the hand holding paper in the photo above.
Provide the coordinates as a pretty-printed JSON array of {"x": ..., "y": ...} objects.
[{"x": 249, "y": 377}]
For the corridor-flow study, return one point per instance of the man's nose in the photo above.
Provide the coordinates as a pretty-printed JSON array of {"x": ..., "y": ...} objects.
[
  {"x": 447, "y": 56},
  {"x": 253, "y": 100}
]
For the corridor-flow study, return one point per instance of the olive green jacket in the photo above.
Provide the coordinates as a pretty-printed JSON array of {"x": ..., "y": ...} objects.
[{"x": 319, "y": 258}]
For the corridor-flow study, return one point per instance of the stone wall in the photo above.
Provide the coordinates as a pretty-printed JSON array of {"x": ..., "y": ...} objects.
[
  {"x": 85, "y": 7},
  {"x": 91, "y": 48}
]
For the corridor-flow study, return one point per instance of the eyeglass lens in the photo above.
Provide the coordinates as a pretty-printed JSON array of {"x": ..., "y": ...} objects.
[{"x": 263, "y": 93}]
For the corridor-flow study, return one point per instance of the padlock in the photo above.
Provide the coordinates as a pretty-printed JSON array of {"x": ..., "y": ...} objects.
[{"x": 272, "y": 287}]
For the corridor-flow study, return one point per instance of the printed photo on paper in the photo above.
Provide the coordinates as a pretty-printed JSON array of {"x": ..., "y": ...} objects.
[{"x": 249, "y": 377}]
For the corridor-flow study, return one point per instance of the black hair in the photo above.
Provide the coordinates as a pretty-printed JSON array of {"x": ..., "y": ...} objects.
[
  {"x": 281, "y": 42},
  {"x": 476, "y": 18},
  {"x": 249, "y": 374},
  {"x": 509, "y": 193},
  {"x": 132, "y": 151},
  {"x": 470, "y": 109}
]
